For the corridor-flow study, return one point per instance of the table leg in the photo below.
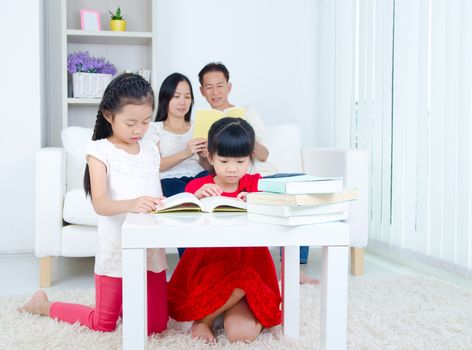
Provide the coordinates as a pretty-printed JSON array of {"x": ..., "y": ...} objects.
[
  {"x": 134, "y": 299},
  {"x": 290, "y": 276},
  {"x": 334, "y": 298}
]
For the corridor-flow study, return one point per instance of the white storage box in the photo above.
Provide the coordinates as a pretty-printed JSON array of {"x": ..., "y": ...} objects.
[{"x": 90, "y": 85}]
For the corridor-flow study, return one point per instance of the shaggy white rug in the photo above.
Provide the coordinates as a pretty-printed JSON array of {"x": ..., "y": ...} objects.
[{"x": 389, "y": 313}]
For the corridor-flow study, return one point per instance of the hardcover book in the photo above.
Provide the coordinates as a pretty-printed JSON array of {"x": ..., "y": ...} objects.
[
  {"x": 204, "y": 118},
  {"x": 301, "y": 199},
  {"x": 301, "y": 184},
  {"x": 189, "y": 202}
]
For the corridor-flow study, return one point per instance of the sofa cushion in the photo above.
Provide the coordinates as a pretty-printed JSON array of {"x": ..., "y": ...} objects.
[
  {"x": 78, "y": 209},
  {"x": 79, "y": 241},
  {"x": 284, "y": 144},
  {"x": 74, "y": 140}
]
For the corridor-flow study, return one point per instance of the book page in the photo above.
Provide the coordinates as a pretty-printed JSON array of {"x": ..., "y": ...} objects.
[
  {"x": 220, "y": 203},
  {"x": 180, "y": 202}
]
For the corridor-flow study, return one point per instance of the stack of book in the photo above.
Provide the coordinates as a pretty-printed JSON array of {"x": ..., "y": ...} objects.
[{"x": 299, "y": 200}]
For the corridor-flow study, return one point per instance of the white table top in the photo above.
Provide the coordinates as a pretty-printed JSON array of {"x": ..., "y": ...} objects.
[{"x": 223, "y": 230}]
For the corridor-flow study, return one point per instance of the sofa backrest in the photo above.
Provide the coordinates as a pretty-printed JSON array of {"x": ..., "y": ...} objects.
[
  {"x": 284, "y": 144},
  {"x": 74, "y": 140}
]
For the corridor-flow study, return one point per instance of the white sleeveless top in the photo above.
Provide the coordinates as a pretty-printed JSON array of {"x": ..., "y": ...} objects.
[
  {"x": 129, "y": 176},
  {"x": 170, "y": 144}
]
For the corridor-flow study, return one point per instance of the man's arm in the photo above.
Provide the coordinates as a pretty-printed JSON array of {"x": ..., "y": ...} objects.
[{"x": 261, "y": 152}]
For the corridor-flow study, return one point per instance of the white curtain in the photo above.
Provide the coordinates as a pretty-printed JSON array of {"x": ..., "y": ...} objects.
[{"x": 408, "y": 95}]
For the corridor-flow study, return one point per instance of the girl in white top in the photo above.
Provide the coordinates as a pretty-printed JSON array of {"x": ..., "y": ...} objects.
[
  {"x": 182, "y": 156},
  {"x": 122, "y": 175}
]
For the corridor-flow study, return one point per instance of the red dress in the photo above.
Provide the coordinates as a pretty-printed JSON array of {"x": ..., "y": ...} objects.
[{"x": 205, "y": 277}]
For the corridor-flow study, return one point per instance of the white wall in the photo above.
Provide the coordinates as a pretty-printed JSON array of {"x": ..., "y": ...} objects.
[
  {"x": 20, "y": 94},
  {"x": 269, "y": 46}
]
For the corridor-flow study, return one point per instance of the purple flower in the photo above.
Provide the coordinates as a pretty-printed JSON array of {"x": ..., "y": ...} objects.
[{"x": 82, "y": 62}]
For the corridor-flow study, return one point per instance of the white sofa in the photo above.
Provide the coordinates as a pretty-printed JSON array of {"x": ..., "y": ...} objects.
[{"x": 65, "y": 223}]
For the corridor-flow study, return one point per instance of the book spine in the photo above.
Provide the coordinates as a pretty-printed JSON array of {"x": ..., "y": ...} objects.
[{"x": 266, "y": 186}]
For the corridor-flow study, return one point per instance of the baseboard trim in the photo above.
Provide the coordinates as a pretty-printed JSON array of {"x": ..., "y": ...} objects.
[
  {"x": 16, "y": 252},
  {"x": 418, "y": 261}
]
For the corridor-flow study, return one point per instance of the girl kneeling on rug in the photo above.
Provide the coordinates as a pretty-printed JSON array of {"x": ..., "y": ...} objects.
[
  {"x": 240, "y": 283},
  {"x": 122, "y": 175}
]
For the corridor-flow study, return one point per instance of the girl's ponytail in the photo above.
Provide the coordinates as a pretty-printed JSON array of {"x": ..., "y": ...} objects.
[{"x": 101, "y": 130}]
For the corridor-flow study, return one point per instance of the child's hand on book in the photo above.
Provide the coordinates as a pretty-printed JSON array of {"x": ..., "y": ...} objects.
[
  {"x": 196, "y": 145},
  {"x": 208, "y": 190},
  {"x": 242, "y": 196},
  {"x": 145, "y": 204}
]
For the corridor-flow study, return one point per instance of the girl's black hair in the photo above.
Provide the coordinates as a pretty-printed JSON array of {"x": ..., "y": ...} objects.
[
  {"x": 125, "y": 89},
  {"x": 166, "y": 93},
  {"x": 231, "y": 137}
]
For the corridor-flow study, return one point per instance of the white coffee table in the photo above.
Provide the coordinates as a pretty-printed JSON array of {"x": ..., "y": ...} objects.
[{"x": 142, "y": 231}]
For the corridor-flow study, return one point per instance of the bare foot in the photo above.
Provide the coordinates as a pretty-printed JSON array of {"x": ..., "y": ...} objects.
[
  {"x": 305, "y": 279},
  {"x": 276, "y": 332},
  {"x": 38, "y": 305},
  {"x": 202, "y": 330}
]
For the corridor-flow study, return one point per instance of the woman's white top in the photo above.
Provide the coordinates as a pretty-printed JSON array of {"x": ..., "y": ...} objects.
[
  {"x": 170, "y": 144},
  {"x": 128, "y": 176}
]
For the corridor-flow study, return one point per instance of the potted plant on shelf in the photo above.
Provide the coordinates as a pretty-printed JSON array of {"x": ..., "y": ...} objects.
[
  {"x": 117, "y": 23},
  {"x": 90, "y": 75}
]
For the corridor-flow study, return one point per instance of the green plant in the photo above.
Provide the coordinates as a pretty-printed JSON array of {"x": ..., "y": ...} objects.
[{"x": 117, "y": 15}]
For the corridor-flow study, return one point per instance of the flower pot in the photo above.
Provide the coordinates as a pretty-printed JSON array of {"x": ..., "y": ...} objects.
[
  {"x": 90, "y": 85},
  {"x": 118, "y": 25}
]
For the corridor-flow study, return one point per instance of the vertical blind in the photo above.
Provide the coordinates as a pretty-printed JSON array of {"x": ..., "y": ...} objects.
[{"x": 411, "y": 108}]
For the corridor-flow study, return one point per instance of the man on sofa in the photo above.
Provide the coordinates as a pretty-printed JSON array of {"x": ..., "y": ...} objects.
[{"x": 215, "y": 87}]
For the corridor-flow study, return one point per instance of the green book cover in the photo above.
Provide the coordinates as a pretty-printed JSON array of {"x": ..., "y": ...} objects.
[{"x": 301, "y": 184}]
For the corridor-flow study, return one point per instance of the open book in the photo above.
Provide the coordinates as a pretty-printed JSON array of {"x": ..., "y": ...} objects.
[
  {"x": 189, "y": 202},
  {"x": 204, "y": 118}
]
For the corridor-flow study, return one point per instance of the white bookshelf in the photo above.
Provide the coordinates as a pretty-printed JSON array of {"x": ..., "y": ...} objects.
[{"x": 131, "y": 50}]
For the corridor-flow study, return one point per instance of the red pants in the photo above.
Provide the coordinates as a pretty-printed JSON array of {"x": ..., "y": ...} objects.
[{"x": 108, "y": 305}]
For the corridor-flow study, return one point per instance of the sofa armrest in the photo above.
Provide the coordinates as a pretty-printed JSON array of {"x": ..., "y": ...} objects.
[
  {"x": 353, "y": 166},
  {"x": 50, "y": 187}
]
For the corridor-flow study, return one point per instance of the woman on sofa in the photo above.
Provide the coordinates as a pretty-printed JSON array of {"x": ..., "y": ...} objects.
[{"x": 182, "y": 156}]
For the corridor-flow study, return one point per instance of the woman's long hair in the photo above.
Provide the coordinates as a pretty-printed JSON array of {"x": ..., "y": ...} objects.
[{"x": 166, "y": 93}]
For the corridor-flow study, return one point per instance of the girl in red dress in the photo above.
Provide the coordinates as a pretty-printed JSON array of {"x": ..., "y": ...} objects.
[{"x": 240, "y": 283}]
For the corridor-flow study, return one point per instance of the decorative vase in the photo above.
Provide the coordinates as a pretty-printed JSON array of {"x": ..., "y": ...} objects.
[{"x": 118, "y": 25}]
